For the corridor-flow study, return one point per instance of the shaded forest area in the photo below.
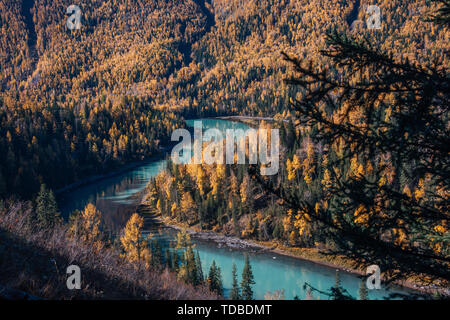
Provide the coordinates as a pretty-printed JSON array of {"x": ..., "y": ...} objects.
[{"x": 27, "y": 14}]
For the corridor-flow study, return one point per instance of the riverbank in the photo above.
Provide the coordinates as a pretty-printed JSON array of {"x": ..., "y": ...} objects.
[
  {"x": 250, "y": 121},
  {"x": 306, "y": 254},
  {"x": 110, "y": 174},
  {"x": 112, "y": 198},
  {"x": 160, "y": 154}
]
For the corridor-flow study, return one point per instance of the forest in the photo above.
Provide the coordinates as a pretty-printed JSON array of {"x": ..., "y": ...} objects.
[
  {"x": 362, "y": 114},
  {"x": 143, "y": 65}
]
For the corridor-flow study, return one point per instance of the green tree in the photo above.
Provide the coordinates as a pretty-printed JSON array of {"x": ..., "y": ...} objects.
[
  {"x": 188, "y": 271},
  {"x": 200, "y": 277},
  {"x": 235, "y": 290},
  {"x": 247, "y": 280},
  {"x": 156, "y": 254},
  {"x": 215, "y": 279},
  {"x": 191, "y": 268},
  {"x": 46, "y": 208}
]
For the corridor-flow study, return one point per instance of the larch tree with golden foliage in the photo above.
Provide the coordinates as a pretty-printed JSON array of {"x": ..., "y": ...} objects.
[
  {"x": 86, "y": 226},
  {"x": 134, "y": 245}
]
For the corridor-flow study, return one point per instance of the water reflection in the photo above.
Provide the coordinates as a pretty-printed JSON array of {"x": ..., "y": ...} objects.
[
  {"x": 272, "y": 271},
  {"x": 117, "y": 198}
]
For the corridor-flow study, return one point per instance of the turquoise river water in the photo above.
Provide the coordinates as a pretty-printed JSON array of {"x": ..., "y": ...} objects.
[{"x": 116, "y": 197}]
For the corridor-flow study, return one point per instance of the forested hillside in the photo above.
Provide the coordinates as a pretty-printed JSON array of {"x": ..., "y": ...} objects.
[
  {"x": 362, "y": 114},
  {"x": 365, "y": 168},
  {"x": 76, "y": 102}
]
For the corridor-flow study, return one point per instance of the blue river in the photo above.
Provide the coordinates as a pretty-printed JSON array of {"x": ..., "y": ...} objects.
[{"x": 117, "y": 198}]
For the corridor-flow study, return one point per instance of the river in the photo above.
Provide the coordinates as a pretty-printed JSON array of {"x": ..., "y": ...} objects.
[{"x": 117, "y": 198}]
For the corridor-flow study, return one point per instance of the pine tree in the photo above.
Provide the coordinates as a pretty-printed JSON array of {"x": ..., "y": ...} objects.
[
  {"x": 188, "y": 271},
  {"x": 156, "y": 254},
  {"x": 215, "y": 279},
  {"x": 175, "y": 261},
  {"x": 46, "y": 208},
  {"x": 235, "y": 290},
  {"x": 200, "y": 277},
  {"x": 247, "y": 280}
]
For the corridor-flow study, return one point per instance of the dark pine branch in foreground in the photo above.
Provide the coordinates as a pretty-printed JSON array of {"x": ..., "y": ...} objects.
[{"x": 390, "y": 115}]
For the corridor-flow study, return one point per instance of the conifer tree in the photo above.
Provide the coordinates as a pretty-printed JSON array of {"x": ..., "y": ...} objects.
[
  {"x": 235, "y": 293},
  {"x": 247, "y": 280},
  {"x": 175, "y": 261},
  {"x": 188, "y": 269},
  {"x": 46, "y": 208},
  {"x": 156, "y": 254},
  {"x": 200, "y": 277},
  {"x": 215, "y": 279}
]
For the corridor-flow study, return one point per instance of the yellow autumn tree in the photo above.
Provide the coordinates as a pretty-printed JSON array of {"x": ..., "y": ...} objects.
[
  {"x": 361, "y": 216},
  {"x": 233, "y": 185},
  {"x": 326, "y": 181},
  {"x": 158, "y": 206},
  {"x": 293, "y": 167},
  {"x": 183, "y": 240},
  {"x": 217, "y": 178},
  {"x": 201, "y": 180},
  {"x": 188, "y": 208},
  {"x": 301, "y": 223},
  {"x": 244, "y": 189},
  {"x": 309, "y": 163},
  {"x": 419, "y": 193},
  {"x": 407, "y": 191},
  {"x": 134, "y": 245},
  {"x": 354, "y": 165},
  {"x": 86, "y": 227},
  {"x": 173, "y": 209}
]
